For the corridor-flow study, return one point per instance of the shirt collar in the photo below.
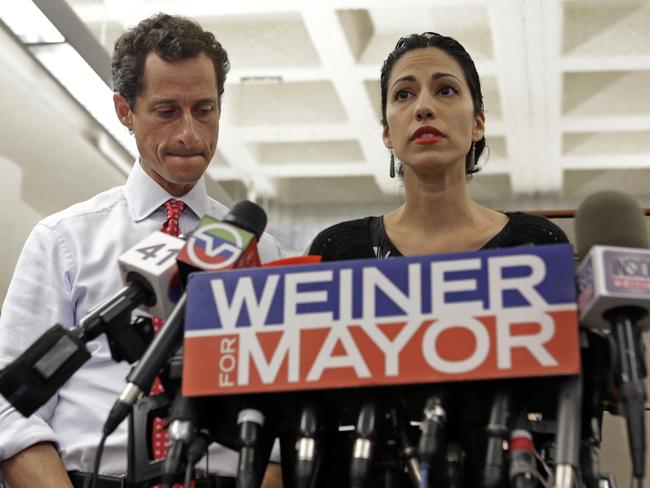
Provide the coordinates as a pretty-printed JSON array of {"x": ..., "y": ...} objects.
[{"x": 144, "y": 196}]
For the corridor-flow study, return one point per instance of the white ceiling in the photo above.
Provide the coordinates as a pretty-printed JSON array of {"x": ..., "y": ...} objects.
[{"x": 564, "y": 85}]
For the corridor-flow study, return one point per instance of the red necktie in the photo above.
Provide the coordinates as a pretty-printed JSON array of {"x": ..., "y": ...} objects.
[{"x": 174, "y": 210}]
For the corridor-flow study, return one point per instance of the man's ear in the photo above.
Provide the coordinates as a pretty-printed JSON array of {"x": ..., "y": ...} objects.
[
  {"x": 388, "y": 140},
  {"x": 123, "y": 110}
]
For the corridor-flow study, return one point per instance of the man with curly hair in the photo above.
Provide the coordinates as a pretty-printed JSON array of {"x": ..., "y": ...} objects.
[{"x": 168, "y": 77}]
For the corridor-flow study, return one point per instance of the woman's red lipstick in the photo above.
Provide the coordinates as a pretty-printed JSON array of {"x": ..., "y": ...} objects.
[{"x": 426, "y": 135}]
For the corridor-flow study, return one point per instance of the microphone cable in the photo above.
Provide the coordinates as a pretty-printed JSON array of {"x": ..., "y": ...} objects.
[
  {"x": 523, "y": 471},
  {"x": 432, "y": 437},
  {"x": 195, "y": 451},
  {"x": 636, "y": 482},
  {"x": 97, "y": 461},
  {"x": 406, "y": 452},
  {"x": 424, "y": 478},
  {"x": 188, "y": 476}
]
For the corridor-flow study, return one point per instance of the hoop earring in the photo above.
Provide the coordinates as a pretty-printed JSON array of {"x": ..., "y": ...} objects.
[
  {"x": 470, "y": 159},
  {"x": 391, "y": 170}
]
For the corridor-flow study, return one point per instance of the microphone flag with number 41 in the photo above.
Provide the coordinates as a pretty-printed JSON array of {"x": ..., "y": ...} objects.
[{"x": 489, "y": 314}]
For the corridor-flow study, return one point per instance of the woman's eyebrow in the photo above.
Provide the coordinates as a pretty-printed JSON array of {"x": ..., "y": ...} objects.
[{"x": 435, "y": 76}]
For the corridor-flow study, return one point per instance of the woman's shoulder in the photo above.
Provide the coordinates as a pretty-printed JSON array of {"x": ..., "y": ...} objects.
[
  {"x": 345, "y": 240},
  {"x": 524, "y": 228}
]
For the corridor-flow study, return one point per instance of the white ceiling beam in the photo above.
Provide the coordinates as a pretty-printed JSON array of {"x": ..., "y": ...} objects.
[
  {"x": 605, "y": 123},
  {"x": 547, "y": 85},
  {"x": 607, "y": 161},
  {"x": 606, "y": 63},
  {"x": 526, "y": 37},
  {"x": 299, "y": 170},
  {"x": 496, "y": 166},
  {"x": 300, "y": 132},
  {"x": 76, "y": 33},
  {"x": 390, "y": 4},
  {"x": 96, "y": 12},
  {"x": 496, "y": 127},
  {"x": 275, "y": 73},
  {"x": 226, "y": 173},
  {"x": 329, "y": 132},
  {"x": 509, "y": 39},
  {"x": 364, "y": 72},
  {"x": 236, "y": 153},
  {"x": 337, "y": 59},
  {"x": 306, "y": 169}
]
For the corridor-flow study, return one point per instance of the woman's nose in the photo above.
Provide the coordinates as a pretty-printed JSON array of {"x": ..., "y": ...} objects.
[{"x": 424, "y": 108}]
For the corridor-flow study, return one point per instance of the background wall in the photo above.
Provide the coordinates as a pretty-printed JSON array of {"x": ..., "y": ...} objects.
[{"x": 565, "y": 84}]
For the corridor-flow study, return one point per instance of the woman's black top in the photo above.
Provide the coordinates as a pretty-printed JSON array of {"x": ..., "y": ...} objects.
[{"x": 366, "y": 238}]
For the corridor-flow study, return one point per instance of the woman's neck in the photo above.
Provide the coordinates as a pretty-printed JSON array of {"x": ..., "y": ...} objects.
[
  {"x": 439, "y": 216},
  {"x": 436, "y": 204}
]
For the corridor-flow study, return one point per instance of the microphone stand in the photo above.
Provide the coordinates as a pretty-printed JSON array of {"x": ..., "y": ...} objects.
[
  {"x": 307, "y": 448},
  {"x": 363, "y": 447},
  {"x": 142, "y": 376},
  {"x": 630, "y": 372},
  {"x": 568, "y": 432},
  {"x": 497, "y": 430}
]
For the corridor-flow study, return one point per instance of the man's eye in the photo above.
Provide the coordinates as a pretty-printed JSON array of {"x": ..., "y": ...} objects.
[
  {"x": 165, "y": 113},
  {"x": 205, "y": 109}
]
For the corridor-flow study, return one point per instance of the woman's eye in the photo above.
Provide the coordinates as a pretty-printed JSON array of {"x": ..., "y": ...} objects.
[
  {"x": 402, "y": 94},
  {"x": 447, "y": 91}
]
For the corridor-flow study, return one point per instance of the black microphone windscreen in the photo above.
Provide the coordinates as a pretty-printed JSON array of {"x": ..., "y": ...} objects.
[
  {"x": 609, "y": 218},
  {"x": 249, "y": 216}
]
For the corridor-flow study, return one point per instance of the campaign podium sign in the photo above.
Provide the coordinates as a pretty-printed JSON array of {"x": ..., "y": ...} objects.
[{"x": 449, "y": 317}]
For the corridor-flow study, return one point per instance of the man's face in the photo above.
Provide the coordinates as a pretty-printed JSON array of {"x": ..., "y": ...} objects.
[{"x": 175, "y": 120}]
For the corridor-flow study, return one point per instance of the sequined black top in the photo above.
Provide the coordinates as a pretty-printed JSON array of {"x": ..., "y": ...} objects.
[{"x": 366, "y": 237}]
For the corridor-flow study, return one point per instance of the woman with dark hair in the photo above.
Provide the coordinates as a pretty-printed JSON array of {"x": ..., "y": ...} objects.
[{"x": 434, "y": 123}]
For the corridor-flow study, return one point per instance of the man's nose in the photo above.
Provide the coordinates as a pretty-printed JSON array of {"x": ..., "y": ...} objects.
[{"x": 187, "y": 134}]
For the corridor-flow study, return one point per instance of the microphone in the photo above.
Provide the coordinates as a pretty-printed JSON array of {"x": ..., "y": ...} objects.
[
  {"x": 522, "y": 460},
  {"x": 143, "y": 374},
  {"x": 228, "y": 244},
  {"x": 306, "y": 447},
  {"x": 153, "y": 262},
  {"x": 613, "y": 285},
  {"x": 181, "y": 433},
  {"x": 250, "y": 423},
  {"x": 433, "y": 430},
  {"x": 497, "y": 430},
  {"x": 148, "y": 271},
  {"x": 406, "y": 451},
  {"x": 363, "y": 447},
  {"x": 213, "y": 245},
  {"x": 198, "y": 447},
  {"x": 609, "y": 218},
  {"x": 455, "y": 457}
]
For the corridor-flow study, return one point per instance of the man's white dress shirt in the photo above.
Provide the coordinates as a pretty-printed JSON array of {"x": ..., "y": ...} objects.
[{"x": 68, "y": 265}]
